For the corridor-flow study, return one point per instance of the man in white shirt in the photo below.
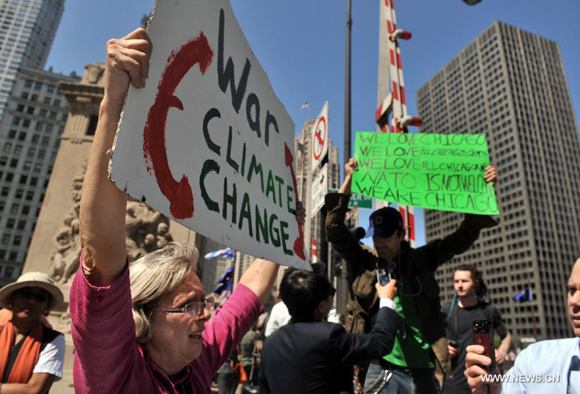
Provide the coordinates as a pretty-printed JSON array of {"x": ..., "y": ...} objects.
[{"x": 546, "y": 367}]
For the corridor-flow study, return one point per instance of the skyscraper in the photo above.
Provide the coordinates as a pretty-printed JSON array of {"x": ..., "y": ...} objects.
[
  {"x": 27, "y": 29},
  {"x": 30, "y": 137},
  {"x": 511, "y": 85}
]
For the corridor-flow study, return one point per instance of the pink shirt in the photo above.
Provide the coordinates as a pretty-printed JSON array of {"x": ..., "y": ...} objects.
[{"x": 108, "y": 360}]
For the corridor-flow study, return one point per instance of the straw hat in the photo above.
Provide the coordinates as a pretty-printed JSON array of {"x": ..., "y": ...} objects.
[{"x": 32, "y": 279}]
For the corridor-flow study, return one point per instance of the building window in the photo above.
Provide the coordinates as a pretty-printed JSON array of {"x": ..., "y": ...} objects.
[
  {"x": 37, "y": 86},
  {"x": 7, "y": 148},
  {"x": 21, "y": 224},
  {"x": 19, "y": 193},
  {"x": 6, "y": 239},
  {"x": 14, "y": 209},
  {"x": 8, "y": 271},
  {"x": 10, "y": 223},
  {"x": 25, "y": 209},
  {"x": 23, "y": 179},
  {"x": 29, "y": 195}
]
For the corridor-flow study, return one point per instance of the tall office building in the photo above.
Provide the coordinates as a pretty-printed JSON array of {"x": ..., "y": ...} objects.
[
  {"x": 29, "y": 140},
  {"x": 511, "y": 85},
  {"x": 27, "y": 29}
]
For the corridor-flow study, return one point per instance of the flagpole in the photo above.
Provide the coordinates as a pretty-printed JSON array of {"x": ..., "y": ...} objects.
[
  {"x": 236, "y": 270},
  {"x": 534, "y": 332}
]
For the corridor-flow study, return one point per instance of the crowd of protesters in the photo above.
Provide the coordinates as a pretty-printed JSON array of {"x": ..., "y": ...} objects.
[{"x": 145, "y": 327}]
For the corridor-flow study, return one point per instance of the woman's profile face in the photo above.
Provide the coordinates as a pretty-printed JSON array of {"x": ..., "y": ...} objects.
[
  {"x": 29, "y": 303},
  {"x": 176, "y": 337}
]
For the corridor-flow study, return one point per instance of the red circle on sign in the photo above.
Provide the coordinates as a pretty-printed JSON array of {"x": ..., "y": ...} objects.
[{"x": 320, "y": 138}]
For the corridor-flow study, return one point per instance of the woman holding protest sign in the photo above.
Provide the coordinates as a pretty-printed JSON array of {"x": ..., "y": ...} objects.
[{"x": 145, "y": 328}]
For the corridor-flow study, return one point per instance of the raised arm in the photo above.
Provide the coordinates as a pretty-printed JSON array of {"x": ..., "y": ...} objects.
[
  {"x": 349, "y": 168},
  {"x": 443, "y": 250},
  {"x": 102, "y": 215},
  {"x": 336, "y": 231}
]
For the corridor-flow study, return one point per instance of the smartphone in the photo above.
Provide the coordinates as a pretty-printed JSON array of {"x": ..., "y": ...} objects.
[
  {"x": 483, "y": 336},
  {"x": 383, "y": 276}
]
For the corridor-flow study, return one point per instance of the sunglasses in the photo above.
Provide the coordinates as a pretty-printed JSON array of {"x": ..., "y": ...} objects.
[
  {"x": 193, "y": 309},
  {"x": 37, "y": 295}
]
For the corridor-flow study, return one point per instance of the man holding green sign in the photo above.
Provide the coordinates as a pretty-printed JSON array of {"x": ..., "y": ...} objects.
[{"x": 421, "y": 338}]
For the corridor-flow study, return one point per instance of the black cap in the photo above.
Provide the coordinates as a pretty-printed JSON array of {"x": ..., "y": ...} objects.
[{"x": 384, "y": 222}]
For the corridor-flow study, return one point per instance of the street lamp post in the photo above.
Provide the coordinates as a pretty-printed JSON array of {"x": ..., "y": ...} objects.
[{"x": 347, "y": 106}]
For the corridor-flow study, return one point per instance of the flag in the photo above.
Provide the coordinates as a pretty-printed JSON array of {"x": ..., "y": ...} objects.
[
  {"x": 524, "y": 295},
  {"x": 228, "y": 253},
  {"x": 224, "y": 284},
  {"x": 304, "y": 105}
]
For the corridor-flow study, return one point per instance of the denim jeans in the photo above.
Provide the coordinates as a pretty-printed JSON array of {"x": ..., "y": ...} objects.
[{"x": 422, "y": 382}]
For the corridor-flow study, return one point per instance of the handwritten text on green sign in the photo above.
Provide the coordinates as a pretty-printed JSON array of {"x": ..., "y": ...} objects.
[{"x": 435, "y": 171}]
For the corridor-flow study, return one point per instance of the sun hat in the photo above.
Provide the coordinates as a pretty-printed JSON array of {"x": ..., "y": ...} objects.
[{"x": 32, "y": 279}]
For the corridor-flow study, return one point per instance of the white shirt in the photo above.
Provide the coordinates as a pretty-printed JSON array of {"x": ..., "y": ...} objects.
[
  {"x": 279, "y": 316},
  {"x": 51, "y": 358}
]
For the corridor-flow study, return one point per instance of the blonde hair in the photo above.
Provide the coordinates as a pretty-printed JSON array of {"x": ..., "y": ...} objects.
[{"x": 154, "y": 276}]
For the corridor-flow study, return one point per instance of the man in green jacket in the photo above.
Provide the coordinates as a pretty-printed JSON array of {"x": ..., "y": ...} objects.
[{"x": 421, "y": 339}]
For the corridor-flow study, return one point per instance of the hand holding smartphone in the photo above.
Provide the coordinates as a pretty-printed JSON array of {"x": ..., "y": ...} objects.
[
  {"x": 483, "y": 336},
  {"x": 383, "y": 276}
]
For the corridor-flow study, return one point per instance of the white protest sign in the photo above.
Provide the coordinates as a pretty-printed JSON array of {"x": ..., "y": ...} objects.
[
  {"x": 319, "y": 137},
  {"x": 207, "y": 142},
  {"x": 319, "y": 190}
]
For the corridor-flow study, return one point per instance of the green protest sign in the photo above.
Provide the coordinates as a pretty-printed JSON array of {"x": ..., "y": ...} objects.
[
  {"x": 357, "y": 200},
  {"x": 434, "y": 171}
]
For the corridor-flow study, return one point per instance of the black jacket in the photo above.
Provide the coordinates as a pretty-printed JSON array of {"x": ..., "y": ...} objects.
[
  {"x": 419, "y": 265},
  {"x": 317, "y": 357}
]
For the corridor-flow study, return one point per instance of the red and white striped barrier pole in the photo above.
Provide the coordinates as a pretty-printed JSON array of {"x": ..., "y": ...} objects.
[{"x": 396, "y": 100}]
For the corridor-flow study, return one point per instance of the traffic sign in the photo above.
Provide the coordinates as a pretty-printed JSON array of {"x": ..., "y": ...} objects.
[
  {"x": 357, "y": 200},
  {"x": 319, "y": 138},
  {"x": 319, "y": 190}
]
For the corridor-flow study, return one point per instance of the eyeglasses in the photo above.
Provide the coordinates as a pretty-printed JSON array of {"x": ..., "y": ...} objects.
[
  {"x": 29, "y": 293},
  {"x": 193, "y": 309}
]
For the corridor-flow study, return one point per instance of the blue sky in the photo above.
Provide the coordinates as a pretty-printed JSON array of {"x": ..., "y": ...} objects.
[{"x": 300, "y": 44}]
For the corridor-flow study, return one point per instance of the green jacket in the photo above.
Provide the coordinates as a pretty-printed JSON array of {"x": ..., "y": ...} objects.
[{"x": 420, "y": 263}]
